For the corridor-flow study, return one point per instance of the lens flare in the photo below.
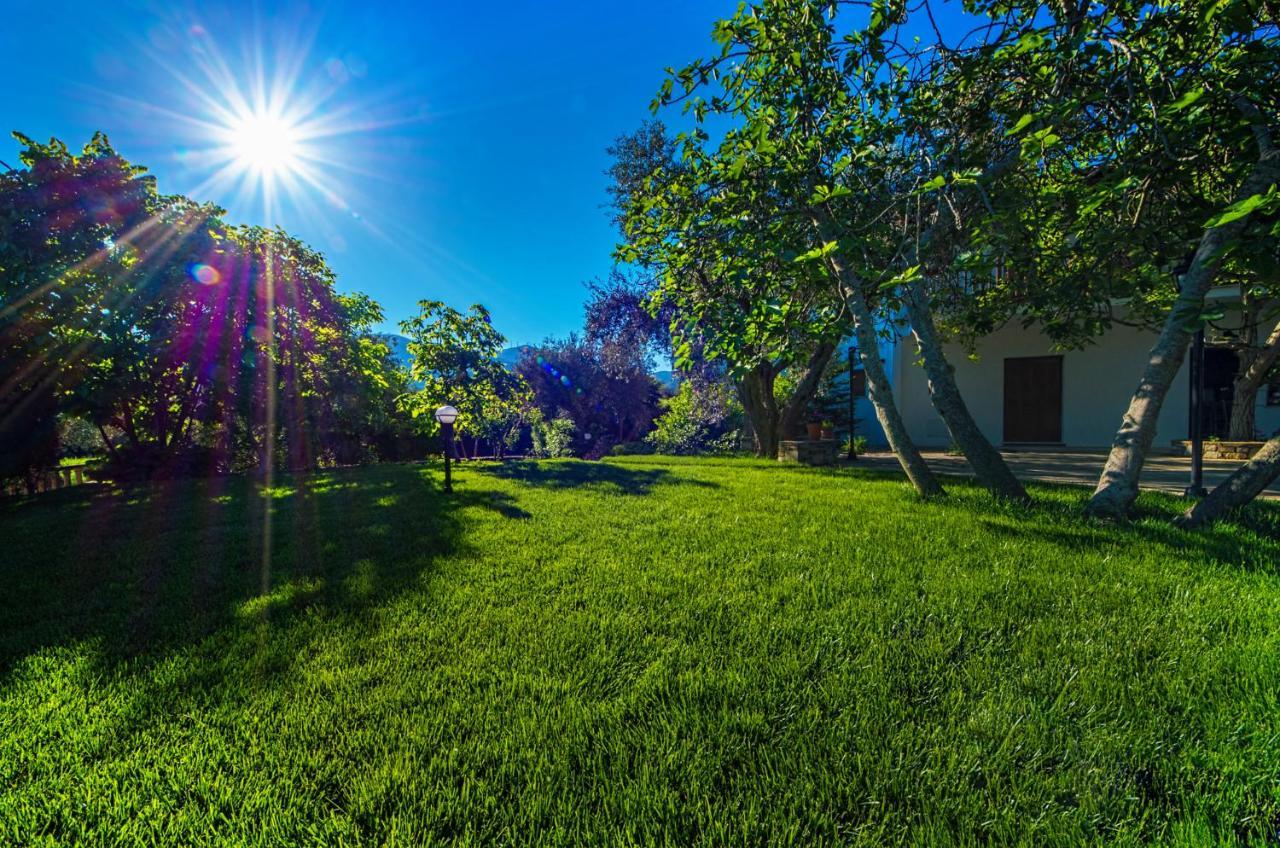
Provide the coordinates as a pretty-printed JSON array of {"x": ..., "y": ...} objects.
[{"x": 205, "y": 275}]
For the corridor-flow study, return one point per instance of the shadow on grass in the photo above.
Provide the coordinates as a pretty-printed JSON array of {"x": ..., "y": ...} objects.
[
  {"x": 1248, "y": 539},
  {"x": 601, "y": 475},
  {"x": 149, "y": 572}
]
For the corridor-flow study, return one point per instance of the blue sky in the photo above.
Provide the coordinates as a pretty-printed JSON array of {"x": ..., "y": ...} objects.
[{"x": 459, "y": 146}]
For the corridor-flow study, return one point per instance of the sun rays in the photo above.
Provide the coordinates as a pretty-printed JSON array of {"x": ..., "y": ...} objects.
[
  {"x": 263, "y": 126},
  {"x": 265, "y": 144}
]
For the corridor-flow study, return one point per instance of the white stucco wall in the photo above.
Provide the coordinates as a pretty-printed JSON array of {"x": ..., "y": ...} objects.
[
  {"x": 1097, "y": 383},
  {"x": 1268, "y": 417}
]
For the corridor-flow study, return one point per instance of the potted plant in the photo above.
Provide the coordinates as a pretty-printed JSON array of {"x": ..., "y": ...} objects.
[
  {"x": 828, "y": 429},
  {"x": 815, "y": 430}
]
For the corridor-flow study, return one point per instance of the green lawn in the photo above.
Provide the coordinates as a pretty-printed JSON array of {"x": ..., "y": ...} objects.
[{"x": 645, "y": 651}]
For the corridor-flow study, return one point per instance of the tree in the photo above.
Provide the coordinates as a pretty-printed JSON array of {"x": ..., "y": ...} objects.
[
  {"x": 781, "y": 184},
  {"x": 608, "y": 405},
  {"x": 203, "y": 346},
  {"x": 505, "y": 408},
  {"x": 1245, "y": 483},
  {"x": 1145, "y": 155},
  {"x": 368, "y": 422},
  {"x": 455, "y": 360},
  {"x": 730, "y": 293},
  {"x": 64, "y": 221},
  {"x": 1258, "y": 356},
  {"x": 552, "y": 439}
]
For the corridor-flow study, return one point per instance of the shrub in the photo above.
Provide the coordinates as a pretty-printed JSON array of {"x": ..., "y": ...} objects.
[
  {"x": 695, "y": 420},
  {"x": 552, "y": 438},
  {"x": 78, "y": 438},
  {"x": 858, "y": 444}
]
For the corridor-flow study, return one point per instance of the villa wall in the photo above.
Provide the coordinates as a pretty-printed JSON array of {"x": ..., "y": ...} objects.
[{"x": 1097, "y": 383}]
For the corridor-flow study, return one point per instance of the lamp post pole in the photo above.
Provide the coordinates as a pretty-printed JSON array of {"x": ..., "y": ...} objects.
[
  {"x": 448, "y": 458},
  {"x": 852, "y": 406},
  {"x": 1196, "y": 367},
  {"x": 446, "y": 415}
]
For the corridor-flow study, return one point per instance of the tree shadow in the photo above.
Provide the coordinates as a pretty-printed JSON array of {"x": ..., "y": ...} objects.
[
  {"x": 1248, "y": 539},
  {"x": 502, "y": 503},
  {"x": 603, "y": 476},
  {"x": 145, "y": 573}
]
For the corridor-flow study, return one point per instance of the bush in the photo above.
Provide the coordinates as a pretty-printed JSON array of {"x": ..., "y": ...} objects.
[
  {"x": 552, "y": 438},
  {"x": 78, "y": 438},
  {"x": 856, "y": 444},
  {"x": 694, "y": 420}
]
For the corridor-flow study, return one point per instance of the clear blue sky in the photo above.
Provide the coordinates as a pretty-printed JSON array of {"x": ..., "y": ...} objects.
[{"x": 464, "y": 141}]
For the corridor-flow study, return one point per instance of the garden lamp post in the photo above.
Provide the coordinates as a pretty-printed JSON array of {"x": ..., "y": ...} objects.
[
  {"x": 852, "y": 403},
  {"x": 446, "y": 415},
  {"x": 1196, "y": 487}
]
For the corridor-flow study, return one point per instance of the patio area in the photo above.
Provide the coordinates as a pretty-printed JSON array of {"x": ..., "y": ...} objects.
[{"x": 1163, "y": 472}]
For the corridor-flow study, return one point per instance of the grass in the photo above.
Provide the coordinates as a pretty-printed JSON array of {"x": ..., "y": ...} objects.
[{"x": 643, "y": 651}]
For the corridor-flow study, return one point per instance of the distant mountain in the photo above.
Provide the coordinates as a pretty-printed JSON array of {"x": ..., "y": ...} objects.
[
  {"x": 511, "y": 355},
  {"x": 668, "y": 379},
  {"x": 399, "y": 348}
]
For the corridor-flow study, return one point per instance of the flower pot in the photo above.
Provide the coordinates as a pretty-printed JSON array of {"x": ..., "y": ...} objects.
[
  {"x": 815, "y": 431},
  {"x": 828, "y": 434}
]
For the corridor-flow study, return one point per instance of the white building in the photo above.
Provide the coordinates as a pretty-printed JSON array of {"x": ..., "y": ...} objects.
[{"x": 1023, "y": 392}]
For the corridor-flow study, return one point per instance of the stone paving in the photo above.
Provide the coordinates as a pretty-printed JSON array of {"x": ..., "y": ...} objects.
[{"x": 1163, "y": 472}]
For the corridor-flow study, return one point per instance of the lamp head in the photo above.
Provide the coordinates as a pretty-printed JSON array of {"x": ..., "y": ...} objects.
[{"x": 446, "y": 414}]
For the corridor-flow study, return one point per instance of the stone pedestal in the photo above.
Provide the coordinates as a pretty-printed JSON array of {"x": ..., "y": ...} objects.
[
  {"x": 1225, "y": 450},
  {"x": 814, "y": 452}
]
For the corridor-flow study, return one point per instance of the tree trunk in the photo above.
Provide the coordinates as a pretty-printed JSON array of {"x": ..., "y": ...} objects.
[
  {"x": 1247, "y": 384},
  {"x": 985, "y": 460},
  {"x": 1240, "y": 488},
  {"x": 1118, "y": 485},
  {"x": 761, "y": 408},
  {"x": 1244, "y": 424},
  {"x": 878, "y": 389},
  {"x": 747, "y": 439},
  {"x": 106, "y": 443},
  {"x": 806, "y": 388}
]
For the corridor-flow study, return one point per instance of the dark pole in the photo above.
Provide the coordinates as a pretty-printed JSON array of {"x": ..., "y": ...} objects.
[
  {"x": 852, "y": 455},
  {"x": 1196, "y": 489},
  {"x": 448, "y": 455}
]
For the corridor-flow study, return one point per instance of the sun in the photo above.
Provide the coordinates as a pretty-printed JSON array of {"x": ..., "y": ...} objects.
[{"x": 265, "y": 143}]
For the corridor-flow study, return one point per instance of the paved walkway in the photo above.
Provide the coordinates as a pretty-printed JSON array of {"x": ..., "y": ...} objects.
[{"x": 1162, "y": 472}]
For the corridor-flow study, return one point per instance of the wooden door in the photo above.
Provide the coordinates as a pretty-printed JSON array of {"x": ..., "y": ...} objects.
[{"x": 1033, "y": 399}]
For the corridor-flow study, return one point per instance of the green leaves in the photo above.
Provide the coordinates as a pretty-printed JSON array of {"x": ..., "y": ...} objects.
[
  {"x": 818, "y": 252},
  {"x": 1188, "y": 99},
  {"x": 1241, "y": 208},
  {"x": 907, "y": 275},
  {"x": 967, "y": 177},
  {"x": 1038, "y": 142},
  {"x": 823, "y": 193},
  {"x": 1022, "y": 124}
]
